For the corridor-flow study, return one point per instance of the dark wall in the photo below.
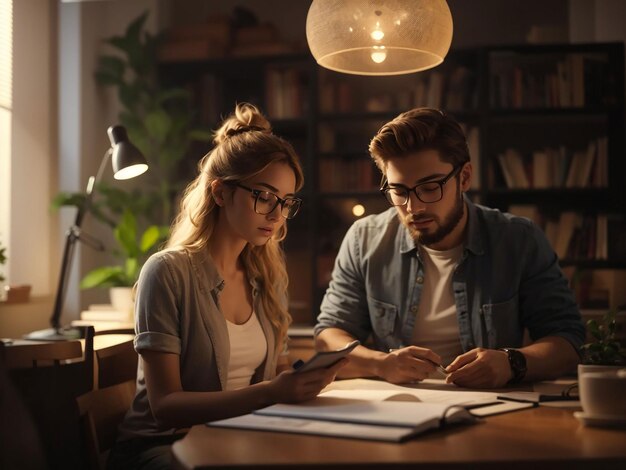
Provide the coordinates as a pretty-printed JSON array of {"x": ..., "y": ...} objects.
[{"x": 476, "y": 22}]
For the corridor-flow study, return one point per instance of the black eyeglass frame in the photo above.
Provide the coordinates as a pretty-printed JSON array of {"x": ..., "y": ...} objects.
[
  {"x": 385, "y": 187},
  {"x": 257, "y": 192}
]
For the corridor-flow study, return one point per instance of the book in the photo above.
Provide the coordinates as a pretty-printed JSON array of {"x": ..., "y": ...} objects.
[
  {"x": 392, "y": 421},
  {"x": 536, "y": 397},
  {"x": 103, "y": 312}
]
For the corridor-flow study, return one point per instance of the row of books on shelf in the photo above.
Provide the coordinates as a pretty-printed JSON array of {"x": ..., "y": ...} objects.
[
  {"x": 285, "y": 93},
  {"x": 454, "y": 90},
  {"x": 575, "y": 236},
  {"x": 348, "y": 174},
  {"x": 556, "y": 168},
  {"x": 540, "y": 81}
]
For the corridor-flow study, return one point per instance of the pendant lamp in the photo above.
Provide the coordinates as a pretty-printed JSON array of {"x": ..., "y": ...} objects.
[{"x": 379, "y": 37}]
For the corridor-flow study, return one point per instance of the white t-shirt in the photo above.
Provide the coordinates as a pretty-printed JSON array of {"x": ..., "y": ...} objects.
[
  {"x": 248, "y": 348},
  {"x": 436, "y": 325}
]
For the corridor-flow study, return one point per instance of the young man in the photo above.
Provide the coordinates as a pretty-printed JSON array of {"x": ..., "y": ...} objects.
[{"x": 438, "y": 280}]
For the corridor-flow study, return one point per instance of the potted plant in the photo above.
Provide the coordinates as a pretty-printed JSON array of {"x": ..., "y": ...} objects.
[
  {"x": 605, "y": 351},
  {"x": 134, "y": 250},
  {"x": 159, "y": 121}
]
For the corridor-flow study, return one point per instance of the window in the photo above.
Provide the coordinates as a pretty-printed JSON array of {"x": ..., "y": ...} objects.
[{"x": 6, "y": 84}]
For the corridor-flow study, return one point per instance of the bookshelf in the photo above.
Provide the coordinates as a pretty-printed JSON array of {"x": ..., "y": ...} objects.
[{"x": 545, "y": 127}]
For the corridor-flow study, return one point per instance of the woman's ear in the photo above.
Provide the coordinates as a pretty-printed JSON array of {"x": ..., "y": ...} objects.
[{"x": 218, "y": 189}]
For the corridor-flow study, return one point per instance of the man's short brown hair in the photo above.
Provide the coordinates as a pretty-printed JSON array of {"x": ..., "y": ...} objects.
[{"x": 420, "y": 129}]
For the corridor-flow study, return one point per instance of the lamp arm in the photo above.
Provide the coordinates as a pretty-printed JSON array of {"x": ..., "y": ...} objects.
[
  {"x": 71, "y": 236},
  {"x": 91, "y": 185}
]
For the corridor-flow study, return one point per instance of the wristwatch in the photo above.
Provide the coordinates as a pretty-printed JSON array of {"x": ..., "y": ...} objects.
[{"x": 517, "y": 361}]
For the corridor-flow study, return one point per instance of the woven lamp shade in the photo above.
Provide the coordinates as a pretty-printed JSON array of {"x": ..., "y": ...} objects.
[{"x": 379, "y": 37}]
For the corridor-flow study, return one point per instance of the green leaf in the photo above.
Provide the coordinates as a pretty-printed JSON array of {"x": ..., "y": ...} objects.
[
  {"x": 149, "y": 238},
  {"x": 103, "y": 277},
  {"x": 173, "y": 94},
  {"x": 132, "y": 269},
  {"x": 68, "y": 199},
  {"x": 126, "y": 234},
  {"x": 201, "y": 135},
  {"x": 112, "y": 65},
  {"x": 158, "y": 124}
]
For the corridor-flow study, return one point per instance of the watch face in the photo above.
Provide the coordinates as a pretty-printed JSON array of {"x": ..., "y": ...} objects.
[{"x": 518, "y": 364}]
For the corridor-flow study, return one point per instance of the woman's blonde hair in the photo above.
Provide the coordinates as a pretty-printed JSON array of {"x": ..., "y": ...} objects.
[{"x": 244, "y": 147}]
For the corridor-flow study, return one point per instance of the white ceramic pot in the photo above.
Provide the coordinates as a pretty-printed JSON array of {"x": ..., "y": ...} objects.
[{"x": 122, "y": 301}]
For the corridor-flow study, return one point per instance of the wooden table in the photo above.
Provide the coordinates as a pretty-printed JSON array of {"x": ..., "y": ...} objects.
[{"x": 540, "y": 437}]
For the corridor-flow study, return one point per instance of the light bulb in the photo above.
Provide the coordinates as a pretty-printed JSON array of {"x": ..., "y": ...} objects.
[
  {"x": 358, "y": 210},
  {"x": 379, "y": 54},
  {"x": 377, "y": 35}
]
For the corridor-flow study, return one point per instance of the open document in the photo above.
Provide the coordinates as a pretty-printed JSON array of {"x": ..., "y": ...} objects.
[
  {"x": 377, "y": 410},
  {"x": 342, "y": 417}
]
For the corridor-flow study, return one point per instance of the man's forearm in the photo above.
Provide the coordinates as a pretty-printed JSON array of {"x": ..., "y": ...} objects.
[
  {"x": 363, "y": 361},
  {"x": 549, "y": 358}
]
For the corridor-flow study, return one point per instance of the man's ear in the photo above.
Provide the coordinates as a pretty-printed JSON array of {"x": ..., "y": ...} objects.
[
  {"x": 466, "y": 177},
  {"x": 218, "y": 190}
]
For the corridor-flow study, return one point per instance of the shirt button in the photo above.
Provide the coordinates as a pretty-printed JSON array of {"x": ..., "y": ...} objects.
[
  {"x": 413, "y": 308},
  {"x": 420, "y": 279}
]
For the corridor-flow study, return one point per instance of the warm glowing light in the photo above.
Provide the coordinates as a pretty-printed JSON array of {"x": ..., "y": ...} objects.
[
  {"x": 358, "y": 210},
  {"x": 379, "y": 55},
  {"x": 377, "y": 35}
]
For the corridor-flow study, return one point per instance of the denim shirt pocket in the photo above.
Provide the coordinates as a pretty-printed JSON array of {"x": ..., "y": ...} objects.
[
  {"x": 502, "y": 323},
  {"x": 383, "y": 316}
]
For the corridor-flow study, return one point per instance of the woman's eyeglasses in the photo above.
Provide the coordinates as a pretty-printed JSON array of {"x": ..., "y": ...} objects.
[{"x": 265, "y": 202}]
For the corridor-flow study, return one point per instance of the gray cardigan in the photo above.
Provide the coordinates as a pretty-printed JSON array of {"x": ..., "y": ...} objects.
[{"x": 177, "y": 311}]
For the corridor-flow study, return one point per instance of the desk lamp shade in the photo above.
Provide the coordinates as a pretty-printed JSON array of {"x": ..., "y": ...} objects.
[
  {"x": 127, "y": 160},
  {"x": 379, "y": 37}
]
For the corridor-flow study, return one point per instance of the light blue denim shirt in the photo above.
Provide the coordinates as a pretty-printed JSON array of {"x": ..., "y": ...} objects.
[{"x": 508, "y": 279}]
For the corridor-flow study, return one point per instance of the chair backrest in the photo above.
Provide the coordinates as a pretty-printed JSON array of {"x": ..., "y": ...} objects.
[
  {"x": 101, "y": 412},
  {"x": 24, "y": 354},
  {"x": 116, "y": 364}
]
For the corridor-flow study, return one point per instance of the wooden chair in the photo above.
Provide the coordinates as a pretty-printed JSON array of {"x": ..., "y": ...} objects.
[
  {"x": 116, "y": 364},
  {"x": 101, "y": 412},
  {"x": 103, "y": 409},
  {"x": 49, "y": 376}
]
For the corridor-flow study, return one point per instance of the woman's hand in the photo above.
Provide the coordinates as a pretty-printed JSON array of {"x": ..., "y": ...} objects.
[{"x": 289, "y": 387}]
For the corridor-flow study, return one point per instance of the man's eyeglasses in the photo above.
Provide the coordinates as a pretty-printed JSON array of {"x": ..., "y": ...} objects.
[
  {"x": 265, "y": 202},
  {"x": 429, "y": 192}
]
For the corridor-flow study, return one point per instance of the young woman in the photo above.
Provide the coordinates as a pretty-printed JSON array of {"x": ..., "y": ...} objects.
[{"x": 211, "y": 315}]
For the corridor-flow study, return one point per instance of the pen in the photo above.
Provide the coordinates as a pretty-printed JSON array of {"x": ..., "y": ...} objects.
[{"x": 439, "y": 367}]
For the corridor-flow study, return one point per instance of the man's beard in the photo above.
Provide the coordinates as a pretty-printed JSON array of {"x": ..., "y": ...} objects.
[{"x": 442, "y": 231}]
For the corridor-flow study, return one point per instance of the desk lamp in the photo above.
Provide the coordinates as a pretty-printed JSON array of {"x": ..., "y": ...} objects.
[{"x": 128, "y": 162}]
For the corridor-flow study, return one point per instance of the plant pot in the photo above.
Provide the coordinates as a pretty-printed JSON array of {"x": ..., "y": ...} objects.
[{"x": 122, "y": 300}]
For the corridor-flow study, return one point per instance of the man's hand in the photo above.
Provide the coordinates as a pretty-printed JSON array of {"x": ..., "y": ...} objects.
[
  {"x": 480, "y": 368},
  {"x": 408, "y": 364}
]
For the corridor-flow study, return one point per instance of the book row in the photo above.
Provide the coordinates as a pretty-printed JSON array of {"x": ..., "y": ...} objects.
[
  {"x": 541, "y": 81},
  {"x": 556, "y": 167},
  {"x": 576, "y": 237}
]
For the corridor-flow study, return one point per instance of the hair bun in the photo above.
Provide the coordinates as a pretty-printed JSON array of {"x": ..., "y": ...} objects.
[{"x": 246, "y": 118}]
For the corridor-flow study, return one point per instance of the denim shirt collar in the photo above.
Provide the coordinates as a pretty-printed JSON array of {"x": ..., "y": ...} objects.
[{"x": 474, "y": 241}]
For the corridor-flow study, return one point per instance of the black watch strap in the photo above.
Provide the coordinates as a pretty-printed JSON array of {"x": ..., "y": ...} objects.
[{"x": 517, "y": 361}]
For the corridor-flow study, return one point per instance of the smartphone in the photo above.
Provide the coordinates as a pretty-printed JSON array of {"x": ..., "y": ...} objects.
[{"x": 325, "y": 359}]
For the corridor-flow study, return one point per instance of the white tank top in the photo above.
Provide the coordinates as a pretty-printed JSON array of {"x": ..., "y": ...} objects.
[
  {"x": 248, "y": 348},
  {"x": 436, "y": 325}
]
